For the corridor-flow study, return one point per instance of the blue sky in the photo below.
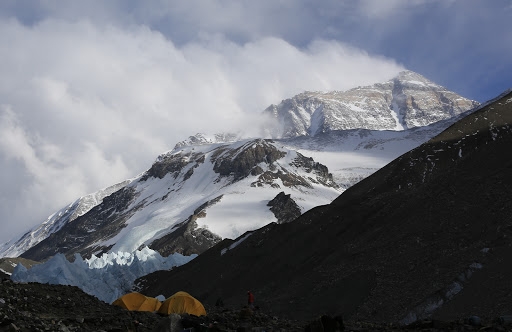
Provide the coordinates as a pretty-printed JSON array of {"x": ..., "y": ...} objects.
[{"x": 92, "y": 91}]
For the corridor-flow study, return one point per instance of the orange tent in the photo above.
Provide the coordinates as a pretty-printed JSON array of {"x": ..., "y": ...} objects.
[
  {"x": 182, "y": 303},
  {"x": 137, "y": 302}
]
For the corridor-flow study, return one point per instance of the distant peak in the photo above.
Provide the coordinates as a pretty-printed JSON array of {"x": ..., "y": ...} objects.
[{"x": 408, "y": 75}]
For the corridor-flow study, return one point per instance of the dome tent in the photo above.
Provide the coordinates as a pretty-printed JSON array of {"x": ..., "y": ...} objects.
[
  {"x": 182, "y": 303},
  {"x": 137, "y": 302}
]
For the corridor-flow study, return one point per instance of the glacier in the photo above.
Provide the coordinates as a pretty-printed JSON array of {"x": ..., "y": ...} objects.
[{"x": 107, "y": 277}]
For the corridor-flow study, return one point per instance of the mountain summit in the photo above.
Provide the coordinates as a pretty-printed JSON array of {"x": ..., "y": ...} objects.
[{"x": 406, "y": 101}]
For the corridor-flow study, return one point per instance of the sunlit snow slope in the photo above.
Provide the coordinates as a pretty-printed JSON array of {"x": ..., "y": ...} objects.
[{"x": 213, "y": 190}]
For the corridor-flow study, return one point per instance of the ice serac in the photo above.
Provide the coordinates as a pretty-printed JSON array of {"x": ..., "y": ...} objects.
[
  {"x": 409, "y": 100},
  {"x": 192, "y": 197},
  {"x": 107, "y": 277}
]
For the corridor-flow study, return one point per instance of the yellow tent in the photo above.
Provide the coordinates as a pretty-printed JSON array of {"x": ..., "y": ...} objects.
[
  {"x": 137, "y": 302},
  {"x": 182, "y": 303}
]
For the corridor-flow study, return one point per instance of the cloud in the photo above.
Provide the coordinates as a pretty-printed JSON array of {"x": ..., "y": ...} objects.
[
  {"x": 460, "y": 44},
  {"x": 87, "y": 105},
  {"x": 383, "y": 10}
]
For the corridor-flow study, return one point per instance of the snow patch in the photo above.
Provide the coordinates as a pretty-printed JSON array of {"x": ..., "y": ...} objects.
[
  {"x": 395, "y": 114},
  {"x": 235, "y": 244}
]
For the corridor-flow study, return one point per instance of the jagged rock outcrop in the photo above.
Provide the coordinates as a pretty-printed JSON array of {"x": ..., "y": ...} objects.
[
  {"x": 317, "y": 174},
  {"x": 240, "y": 162},
  {"x": 320, "y": 171},
  {"x": 173, "y": 164},
  {"x": 284, "y": 208},
  {"x": 408, "y": 100},
  {"x": 187, "y": 238}
]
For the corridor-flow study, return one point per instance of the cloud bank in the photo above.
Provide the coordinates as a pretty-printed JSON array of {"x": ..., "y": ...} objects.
[{"x": 85, "y": 105}]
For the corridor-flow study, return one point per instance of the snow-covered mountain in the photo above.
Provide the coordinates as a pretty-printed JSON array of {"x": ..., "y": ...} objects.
[
  {"x": 211, "y": 187},
  {"x": 406, "y": 101},
  {"x": 192, "y": 197}
]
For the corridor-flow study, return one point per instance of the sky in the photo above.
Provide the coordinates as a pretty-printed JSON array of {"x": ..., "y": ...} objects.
[{"x": 91, "y": 92}]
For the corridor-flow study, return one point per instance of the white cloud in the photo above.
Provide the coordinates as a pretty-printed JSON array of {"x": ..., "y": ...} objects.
[{"x": 379, "y": 9}]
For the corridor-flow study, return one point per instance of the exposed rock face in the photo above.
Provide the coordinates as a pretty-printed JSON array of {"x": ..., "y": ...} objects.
[
  {"x": 319, "y": 175},
  {"x": 187, "y": 238},
  {"x": 240, "y": 162},
  {"x": 408, "y": 100},
  {"x": 101, "y": 223},
  {"x": 320, "y": 171},
  {"x": 173, "y": 164},
  {"x": 284, "y": 208}
]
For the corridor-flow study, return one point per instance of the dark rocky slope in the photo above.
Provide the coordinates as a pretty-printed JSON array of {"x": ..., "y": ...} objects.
[
  {"x": 432, "y": 228},
  {"x": 37, "y": 307}
]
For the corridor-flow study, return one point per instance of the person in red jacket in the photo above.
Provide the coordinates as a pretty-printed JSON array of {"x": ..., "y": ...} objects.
[{"x": 250, "y": 299}]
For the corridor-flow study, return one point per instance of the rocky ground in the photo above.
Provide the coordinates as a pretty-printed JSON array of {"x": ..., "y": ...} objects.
[{"x": 38, "y": 307}]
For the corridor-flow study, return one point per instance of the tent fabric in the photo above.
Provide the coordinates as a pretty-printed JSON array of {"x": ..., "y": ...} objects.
[
  {"x": 137, "y": 302},
  {"x": 182, "y": 303}
]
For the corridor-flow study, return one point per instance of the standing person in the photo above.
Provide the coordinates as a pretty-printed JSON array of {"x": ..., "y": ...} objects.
[{"x": 250, "y": 299}]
